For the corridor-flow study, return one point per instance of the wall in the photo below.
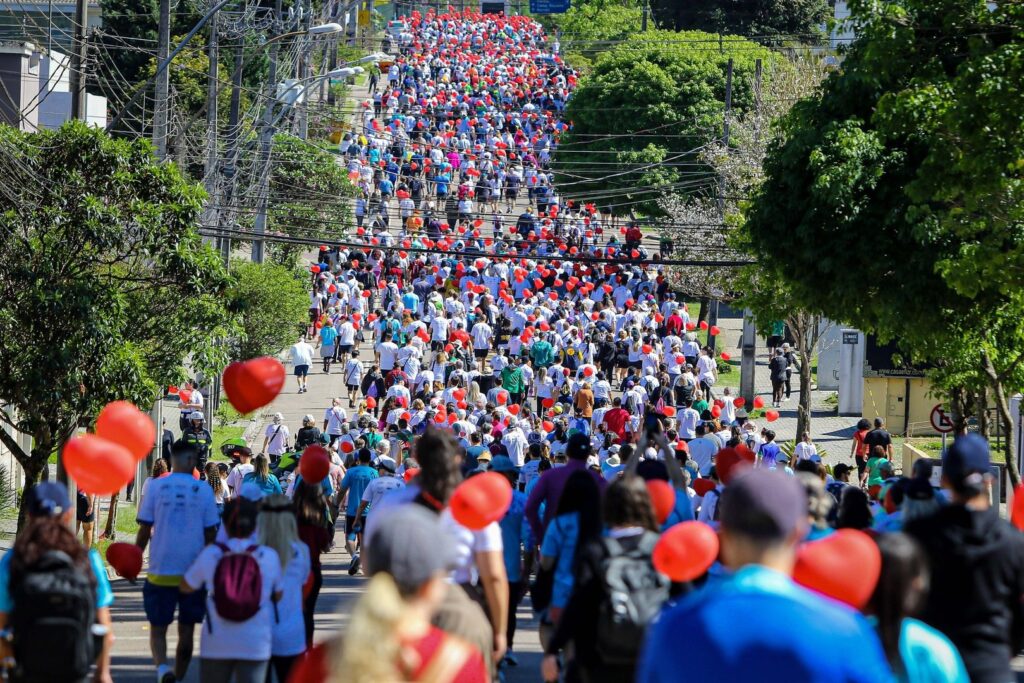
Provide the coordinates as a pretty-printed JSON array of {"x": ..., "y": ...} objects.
[
  {"x": 19, "y": 85},
  {"x": 901, "y": 401}
]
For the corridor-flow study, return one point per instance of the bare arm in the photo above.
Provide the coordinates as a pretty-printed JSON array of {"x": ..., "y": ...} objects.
[
  {"x": 494, "y": 581},
  {"x": 359, "y": 513},
  {"x": 143, "y": 535},
  {"x": 103, "y": 658}
]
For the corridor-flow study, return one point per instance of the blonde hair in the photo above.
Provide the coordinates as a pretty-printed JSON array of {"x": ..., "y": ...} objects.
[
  {"x": 369, "y": 653},
  {"x": 277, "y": 526}
]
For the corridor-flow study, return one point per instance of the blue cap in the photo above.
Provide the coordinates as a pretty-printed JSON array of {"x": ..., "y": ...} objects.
[
  {"x": 968, "y": 455},
  {"x": 48, "y": 499},
  {"x": 503, "y": 463}
]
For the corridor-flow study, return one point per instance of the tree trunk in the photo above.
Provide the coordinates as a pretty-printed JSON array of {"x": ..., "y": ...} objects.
[
  {"x": 959, "y": 405},
  {"x": 33, "y": 467},
  {"x": 1005, "y": 418},
  {"x": 110, "y": 530}
]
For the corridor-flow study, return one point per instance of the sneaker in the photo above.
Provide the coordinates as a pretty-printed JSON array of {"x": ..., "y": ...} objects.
[
  {"x": 164, "y": 674},
  {"x": 353, "y": 567},
  {"x": 510, "y": 659}
]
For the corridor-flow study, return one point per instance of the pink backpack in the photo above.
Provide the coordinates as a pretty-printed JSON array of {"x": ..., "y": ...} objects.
[{"x": 237, "y": 584}]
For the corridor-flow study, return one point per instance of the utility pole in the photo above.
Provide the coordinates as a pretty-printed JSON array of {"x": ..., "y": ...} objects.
[
  {"x": 713, "y": 302},
  {"x": 78, "y": 57},
  {"x": 230, "y": 167},
  {"x": 306, "y": 70},
  {"x": 160, "y": 103},
  {"x": 266, "y": 145},
  {"x": 748, "y": 339},
  {"x": 643, "y": 20},
  {"x": 210, "y": 168}
]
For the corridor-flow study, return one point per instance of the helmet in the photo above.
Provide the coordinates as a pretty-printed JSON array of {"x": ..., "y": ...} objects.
[{"x": 196, "y": 415}]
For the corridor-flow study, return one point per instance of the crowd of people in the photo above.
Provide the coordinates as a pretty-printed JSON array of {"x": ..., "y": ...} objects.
[{"x": 543, "y": 351}]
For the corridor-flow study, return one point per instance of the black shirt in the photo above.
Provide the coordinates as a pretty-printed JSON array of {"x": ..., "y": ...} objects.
[
  {"x": 877, "y": 437},
  {"x": 777, "y": 368}
]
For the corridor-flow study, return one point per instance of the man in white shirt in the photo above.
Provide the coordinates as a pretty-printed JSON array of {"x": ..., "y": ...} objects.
[
  {"x": 688, "y": 420},
  {"x": 707, "y": 373},
  {"x": 275, "y": 439},
  {"x": 387, "y": 352},
  {"x": 482, "y": 335},
  {"x": 702, "y": 450},
  {"x": 239, "y": 471},
  {"x": 334, "y": 417},
  {"x": 515, "y": 443},
  {"x": 302, "y": 358}
]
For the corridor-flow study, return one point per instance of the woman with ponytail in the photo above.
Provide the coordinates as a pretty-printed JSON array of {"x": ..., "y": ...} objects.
[{"x": 389, "y": 635}]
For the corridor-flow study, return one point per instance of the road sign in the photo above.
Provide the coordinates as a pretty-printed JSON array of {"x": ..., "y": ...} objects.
[
  {"x": 549, "y": 6},
  {"x": 364, "y": 17},
  {"x": 941, "y": 420}
]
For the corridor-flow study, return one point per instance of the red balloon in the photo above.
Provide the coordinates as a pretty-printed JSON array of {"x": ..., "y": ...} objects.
[
  {"x": 588, "y": 371},
  {"x": 547, "y": 402},
  {"x": 844, "y": 566},
  {"x": 514, "y": 409},
  {"x": 702, "y": 486},
  {"x": 703, "y": 324},
  {"x": 739, "y": 401},
  {"x": 716, "y": 411},
  {"x": 731, "y": 461},
  {"x": 346, "y": 447},
  {"x": 1017, "y": 513},
  {"x": 646, "y": 348},
  {"x": 725, "y": 356},
  {"x": 480, "y": 500},
  {"x": 758, "y": 402},
  {"x": 371, "y": 402},
  {"x": 669, "y": 411},
  {"x": 714, "y": 331},
  {"x": 502, "y": 398},
  {"x": 548, "y": 426},
  {"x": 663, "y": 498},
  {"x": 410, "y": 473},
  {"x": 315, "y": 464},
  {"x": 98, "y": 466},
  {"x": 771, "y": 415},
  {"x": 685, "y": 551},
  {"x": 124, "y": 424},
  {"x": 254, "y": 383},
  {"x": 126, "y": 559}
]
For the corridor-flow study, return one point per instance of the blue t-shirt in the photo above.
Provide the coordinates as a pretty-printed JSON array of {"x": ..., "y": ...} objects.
[
  {"x": 560, "y": 542},
  {"x": 741, "y": 629},
  {"x": 929, "y": 656},
  {"x": 682, "y": 511},
  {"x": 355, "y": 482},
  {"x": 515, "y": 533},
  {"x": 269, "y": 486},
  {"x": 180, "y": 509},
  {"x": 104, "y": 596},
  {"x": 327, "y": 335}
]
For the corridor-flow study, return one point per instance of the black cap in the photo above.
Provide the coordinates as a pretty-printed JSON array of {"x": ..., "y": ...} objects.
[{"x": 578, "y": 447}]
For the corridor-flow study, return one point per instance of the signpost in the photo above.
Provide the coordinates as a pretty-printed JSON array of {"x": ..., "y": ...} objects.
[
  {"x": 549, "y": 6},
  {"x": 942, "y": 423}
]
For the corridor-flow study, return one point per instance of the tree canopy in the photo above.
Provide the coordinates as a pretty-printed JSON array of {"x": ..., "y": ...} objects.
[
  {"x": 646, "y": 110},
  {"x": 892, "y": 199},
  {"x": 272, "y": 305},
  {"x": 107, "y": 287},
  {"x": 769, "y": 20}
]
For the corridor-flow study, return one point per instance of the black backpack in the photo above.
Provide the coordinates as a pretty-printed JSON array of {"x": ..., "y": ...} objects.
[
  {"x": 54, "y": 612},
  {"x": 633, "y": 594}
]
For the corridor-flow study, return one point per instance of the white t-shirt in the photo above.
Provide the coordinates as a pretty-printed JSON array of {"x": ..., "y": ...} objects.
[
  {"x": 278, "y": 438},
  {"x": 688, "y": 423},
  {"x": 335, "y": 417},
  {"x": 467, "y": 544},
  {"x": 346, "y": 334},
  {"x": 180, "y": 508},
  {"x": 387, "y": 351},
  {"x": 251, "y": 639},
  {"x": 481, "y": 334},
  {"x": 353, "y": 372},
  {"x": 439, "y": 329},
  {"x": 805, "y": 450},
  {"x": 236, "y": 476},
  {"x": 289, "y": 631},
  {"x": 706, "y": 369},
  {"x": 380, "y": 487},
  {"x": 302, "y": 354}
]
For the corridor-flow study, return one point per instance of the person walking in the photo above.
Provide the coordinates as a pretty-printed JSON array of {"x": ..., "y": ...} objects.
[
  {"x": 302, "y": 360},
  {"x": 778, "y": 368},
  {"x": 275, "y": 439},
  {"x": 187, "y": 518},
  {"x": 310, "y": 507}
]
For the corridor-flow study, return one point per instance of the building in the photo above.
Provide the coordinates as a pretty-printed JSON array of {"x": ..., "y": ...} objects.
[
  {"x": 55, "y": 95},
  {"x": 842, "y": 32},
  {"x": 19, "y": 85},
  {"x": 47, "y": 24}
]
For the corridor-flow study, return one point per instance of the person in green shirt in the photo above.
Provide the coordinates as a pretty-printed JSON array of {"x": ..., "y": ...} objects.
[
  {"x": 542, "y": 353},
  {"x": 512, "y": 380},
  {"x": 878, "y": 470}
]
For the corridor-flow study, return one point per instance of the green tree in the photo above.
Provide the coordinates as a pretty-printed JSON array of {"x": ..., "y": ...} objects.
[
  {"x": 770, "y": 20},
  {"x": 309, "y": 196},
  {"x": 588, "y": 29},
  {"x": 272, "y": 305},
  {"x": 107, "y": 286},
  {"x": 641, "y": 117},
  {"x": 898, "y": 192}
]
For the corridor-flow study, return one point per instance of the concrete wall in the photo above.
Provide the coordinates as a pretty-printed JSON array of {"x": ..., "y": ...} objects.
[
  {"x": 902, "y": 402},
  {"x": 55, "y": 105},
  {"x": 19, "y": 85}
]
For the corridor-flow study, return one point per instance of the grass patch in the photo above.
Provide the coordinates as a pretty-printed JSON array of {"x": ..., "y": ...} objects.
[
  {"x": 125, "y": 527},
  {"x": 222, "y": 434}
]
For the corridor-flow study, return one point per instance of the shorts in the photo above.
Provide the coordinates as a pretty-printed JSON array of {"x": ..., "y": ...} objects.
[
  {"x": 301, "y": 370},
  {"x": 353, "y": 388},
  {"x": 481, "y": 353},
  {"x": 327, "y": 352},
  {"x": 350, "y": 523},
  {"x": 636, "y": 364},
  {"x": 436, "y": 345},
  {"x": 344, "y": 348},
  {"x": 161, "y": 601},
  {"x": 82, "y": 514}
]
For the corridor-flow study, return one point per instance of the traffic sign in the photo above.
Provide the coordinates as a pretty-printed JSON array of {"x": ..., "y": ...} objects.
[
  {"x": 941, "y": 420},
  {"x": 549, "y": 6}
]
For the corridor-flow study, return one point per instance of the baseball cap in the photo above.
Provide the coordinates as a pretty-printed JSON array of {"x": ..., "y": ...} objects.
[
  {"x": 503, "y": 463},
  {"x": 48, "y": 499},
  {"x": 410, "y": 545},
  {"x": 387, "y": 463},
  {"x": 578, "y": 447},
  {"x": 485, "y": 456},
  {"x": 966, "y": 457},
  {"x": 764, "y": 504}
]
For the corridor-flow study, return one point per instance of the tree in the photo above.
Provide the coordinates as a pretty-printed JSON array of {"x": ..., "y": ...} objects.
[
  {"x": 641, "y": 117},
  {"x": 107, "y": 287},
  {"x": 907, "y": 166},
  {"x": 272, "y": 305},
  {"x": 589, "y": 29},
  {"x": 309, "y": 196},
  {"x": 770, "y": 20}
]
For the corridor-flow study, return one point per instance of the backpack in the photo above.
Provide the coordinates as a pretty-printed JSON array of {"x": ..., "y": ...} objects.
[
  {"x": 237, "y": 585},
  {"x": 54, "y": 612},
  {"x": 633, "y": 594}
]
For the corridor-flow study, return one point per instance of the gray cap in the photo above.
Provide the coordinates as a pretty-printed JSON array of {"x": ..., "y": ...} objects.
[
  {"x": 411, "y": 546},
  {"x": 764, "y": 504}
]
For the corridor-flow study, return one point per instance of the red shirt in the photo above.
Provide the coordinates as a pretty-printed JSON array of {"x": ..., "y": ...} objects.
[
  {"x": 312, "y": 667},
  {"x": 616, "y": 419}
]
